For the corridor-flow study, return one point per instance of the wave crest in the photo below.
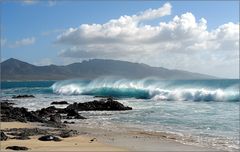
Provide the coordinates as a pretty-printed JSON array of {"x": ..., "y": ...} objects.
[{"x": 149, "y": 88}]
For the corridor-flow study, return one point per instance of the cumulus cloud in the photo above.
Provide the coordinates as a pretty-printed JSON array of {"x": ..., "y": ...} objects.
[
  {"x": 23, "y": 42},
  {"x": 183, "y": 38}
]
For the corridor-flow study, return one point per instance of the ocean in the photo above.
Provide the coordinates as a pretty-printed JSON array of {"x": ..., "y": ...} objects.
[{"x": 198, "y": 112}]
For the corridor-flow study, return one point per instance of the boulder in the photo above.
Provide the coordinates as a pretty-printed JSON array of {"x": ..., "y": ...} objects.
[
  {"x": 47, "y": 111},
  {"x": 9, "y": 113},
  {"x": 55, "y": 118},
  {"x": 3, "y": 136},
  {"x": 68, "y": 133},
  {"x": 25, "y": 132},
  {"x": 72, "y": 113},
  {"x": 22, "y": 138},
  {"x": 49, "y": 138},
  {"x": 67, "y": 122},
  {"x": 108, "y": 104},
  {"x": 59, "y": 102},
  {"x": 23, "y": 96},
  {"x": 17, "y": 148}
]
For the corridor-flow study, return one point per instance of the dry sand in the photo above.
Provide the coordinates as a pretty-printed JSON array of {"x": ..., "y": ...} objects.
[
  {"x": 78, "y": 143},
  {"x": 8, "y": 125}
]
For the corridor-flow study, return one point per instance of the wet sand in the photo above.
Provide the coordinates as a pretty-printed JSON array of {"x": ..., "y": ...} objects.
[{"x": 138, "y": 140}]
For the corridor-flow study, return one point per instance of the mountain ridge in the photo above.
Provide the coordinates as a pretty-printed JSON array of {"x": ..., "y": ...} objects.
[{"x": 14, "y": 69}]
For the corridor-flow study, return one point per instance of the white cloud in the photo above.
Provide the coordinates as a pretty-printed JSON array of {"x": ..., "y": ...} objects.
[
  {"x": 23, "y": 42},
  {"x": 153, "y": 13},
  {"x": 185, "y": 40}
]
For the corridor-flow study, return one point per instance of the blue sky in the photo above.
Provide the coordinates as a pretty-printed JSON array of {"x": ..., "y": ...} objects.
[{"x": 30, "y": 31}]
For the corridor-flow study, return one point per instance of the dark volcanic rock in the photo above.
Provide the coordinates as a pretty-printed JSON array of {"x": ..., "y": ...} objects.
[
  {"x": 22, "y": 138},
  {"x": 17, "y": 148},
  {"x": 106, "y": 97},
  {"x": 72, "y": 113},
  {"x": 3, "y": 136},
  {"x": 46, "y": 112},
  {"x": 68, "y": 133},
  {"x": 92, "y": 140},
  {"x": 108, "y": 104},
  {"x": 25, "y": 132},
  {"x": 55, "y": 118},
  {"x": 9, "y": 102},
  {"x": 9, "y": 113},
  {"x": 23, "y": 96},
  {"x": 67, "y": 122},
  {"x": 59, "y": 102},
  {"x": 49, "y": 138}
]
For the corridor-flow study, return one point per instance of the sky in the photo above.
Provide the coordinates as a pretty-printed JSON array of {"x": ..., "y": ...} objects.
[{"x": 196, "y": 36}]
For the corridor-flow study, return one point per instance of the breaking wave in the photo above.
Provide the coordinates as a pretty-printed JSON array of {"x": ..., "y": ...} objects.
[{"x": 150, "y": 88}]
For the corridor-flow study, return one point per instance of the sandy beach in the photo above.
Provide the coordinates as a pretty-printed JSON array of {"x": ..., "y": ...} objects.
[
  {"x": 105, "y": 140},
  {"x": 138, "y": 140},
  {"x": 78, "y": 143}
]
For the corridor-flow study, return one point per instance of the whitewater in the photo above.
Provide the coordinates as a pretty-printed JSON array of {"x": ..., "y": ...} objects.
[
  {"x": 150, "y": 88},
  {"x": 201, "y": 112}
]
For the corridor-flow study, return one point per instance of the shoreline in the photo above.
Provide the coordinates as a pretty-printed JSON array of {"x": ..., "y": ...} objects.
[
  {"x": 119, "y": 137},
  {"x": 138, "y": 140},
  {"x": 104, "y": 140}
]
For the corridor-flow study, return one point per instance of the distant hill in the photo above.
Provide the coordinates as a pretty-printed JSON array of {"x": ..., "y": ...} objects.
[{"x": 13, "y": 69}]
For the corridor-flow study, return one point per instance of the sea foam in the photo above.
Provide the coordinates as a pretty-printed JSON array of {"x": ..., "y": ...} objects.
[{"x": 150, "y": 88}]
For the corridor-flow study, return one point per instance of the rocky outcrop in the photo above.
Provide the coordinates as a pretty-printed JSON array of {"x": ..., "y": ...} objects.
[
  {"x": 49, "y": 138},
  {"x": 3, "y": 136},
  {"x": 26, "y": 132},
  {"x": 23, "y": 96},
  {"x": 68, "y": 133},
  {"x": 55, "y": 118},
  {"x": 9, "y": 113},
  {"x": 17, "y": 148},
  {"x": 54, "y": 113},
  {"x": 52, "y": 116},
  {"x": 48, "y": 116},
  {"x": 73, "y": 114},
  {"x": 59, "y": 103},
  {"x": 104, "y": 104}
]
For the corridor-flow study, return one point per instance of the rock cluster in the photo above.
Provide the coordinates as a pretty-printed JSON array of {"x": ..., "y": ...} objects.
[
  {"x": 59, "y": 102},
  {"x": 23, "y": 96},
  {"x": 52, "y": 116},
  {"x": 3, "y": 136},
  {"x": 104, "y": 104},
  {"x": 17, "y": 148},
  {"x": 10, "y": 113},
  {"x": 49, "y": 138}
]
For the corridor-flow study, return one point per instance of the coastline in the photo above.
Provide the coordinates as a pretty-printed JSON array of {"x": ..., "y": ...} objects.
[
  {"x": 76, "y": 143},
  {"x": 138, "y": 140},
  {"x": 116, "y": 136},
  {"x": 105, "y": 140}
]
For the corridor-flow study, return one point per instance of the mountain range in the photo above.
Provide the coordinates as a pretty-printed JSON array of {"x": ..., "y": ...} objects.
[{"x": 13, "y": 69}]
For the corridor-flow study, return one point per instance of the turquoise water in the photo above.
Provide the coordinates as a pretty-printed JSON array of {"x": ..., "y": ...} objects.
[{"x": 207, "y": 111}]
